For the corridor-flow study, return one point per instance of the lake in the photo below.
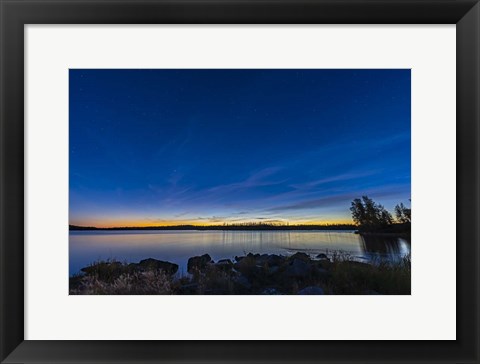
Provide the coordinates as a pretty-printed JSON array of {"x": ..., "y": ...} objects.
[{"x": 177, "y": 246}]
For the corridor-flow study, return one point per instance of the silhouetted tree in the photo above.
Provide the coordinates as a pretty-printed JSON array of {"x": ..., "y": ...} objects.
[
  {"x": 403, "y": 214},
  {"x": 368, "y": 215}
]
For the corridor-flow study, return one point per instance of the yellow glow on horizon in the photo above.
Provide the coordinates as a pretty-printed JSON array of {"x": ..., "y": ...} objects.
[
  {"x": 135, "y": 223},
  {"x": 148, "y": 223}
]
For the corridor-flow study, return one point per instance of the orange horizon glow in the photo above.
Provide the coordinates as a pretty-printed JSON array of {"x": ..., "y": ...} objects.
[{"x": 143, "y": 224}]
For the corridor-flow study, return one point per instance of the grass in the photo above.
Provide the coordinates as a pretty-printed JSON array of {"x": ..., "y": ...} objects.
[
  {"x": 340, "y": 275},
  {"x": 138, "y": 283},
  {"x": 351, "y": 277}
]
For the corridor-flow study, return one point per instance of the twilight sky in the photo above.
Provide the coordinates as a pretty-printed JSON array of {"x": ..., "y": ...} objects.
[{"x": 167, "y": 147}]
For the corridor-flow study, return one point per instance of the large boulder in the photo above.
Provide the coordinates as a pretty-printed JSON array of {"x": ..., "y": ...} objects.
[
  {"x": 246, "y": 264},
  {"x": 322, "y": 256},
  {"x": 300, "y": 256},
  {"x": 105, "y": 271},
  {"x": 298, "y": 269},
  {"x": 198, "y": 263},
  {"x": 101, "y": 267},
  {"x": 275, "y": 260},
  {"x": 261, "y": 259},
  {"x": 250, "y": 269},
  {"x": 224, "y": 264},
  {"x": 271, "y": 260},
  {"x": 154, "y": 264}
]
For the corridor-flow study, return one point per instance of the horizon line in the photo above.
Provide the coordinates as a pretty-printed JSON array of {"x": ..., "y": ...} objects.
[{"x": 260, "y": 224}]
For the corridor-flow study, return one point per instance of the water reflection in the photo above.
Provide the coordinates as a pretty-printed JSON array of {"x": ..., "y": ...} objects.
[
  {"x": 86, "y": 247},
  {"x": 384, "y": 247}
]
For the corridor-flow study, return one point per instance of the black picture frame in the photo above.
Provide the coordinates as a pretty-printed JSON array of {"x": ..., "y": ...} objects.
[{"x": 16, "y": 13}]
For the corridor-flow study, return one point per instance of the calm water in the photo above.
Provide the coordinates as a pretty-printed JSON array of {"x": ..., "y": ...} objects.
[{"x": 178, "y": 246}]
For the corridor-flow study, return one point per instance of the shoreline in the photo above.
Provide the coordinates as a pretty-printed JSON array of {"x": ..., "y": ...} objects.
[{"x": 250, "y": 274}]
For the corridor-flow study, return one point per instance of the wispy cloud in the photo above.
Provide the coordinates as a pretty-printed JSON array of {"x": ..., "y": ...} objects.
[
  {"x": 182, "y": 214},
  {"x": 344, "y": 199},
  {"x": 333, "y": 178},
  {"x": 257, "y": 179}
]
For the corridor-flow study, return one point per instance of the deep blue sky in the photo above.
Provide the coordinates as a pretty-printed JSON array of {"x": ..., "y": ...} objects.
[{"x": 156, "y": 147}]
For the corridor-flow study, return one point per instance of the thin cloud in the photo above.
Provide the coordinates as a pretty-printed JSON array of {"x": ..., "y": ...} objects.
[
  {"x": 335, "y": 178},
  {"x": 336, "y": 199},
  {"x": 255, "y": 180}
]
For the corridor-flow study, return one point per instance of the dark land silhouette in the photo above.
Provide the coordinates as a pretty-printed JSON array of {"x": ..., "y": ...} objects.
[
  {"x": 368, "y": 216},
  {"x": 249, "y": 226}
]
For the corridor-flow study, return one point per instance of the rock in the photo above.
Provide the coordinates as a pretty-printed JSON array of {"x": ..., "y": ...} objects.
[
  {"x": 237, "y": 259},
  {"x": 198, "y": 263},
  {"x": 274, "y": 260},
  {"x": 298, "y": 268},
  {"x": 243, "y": 281},
  {"x": 324, "y": 264},
  {"x": 154, "y": 264},
  {"x": 105, "y": 269},
  {"x": 134, "y": 267},
  {"x": 110, "y": 265},
  {"x": 312, "y": 290},
  {"x": 87, "y": 270},
  {"x": 246, "y": 264},
  {"x": 224, "y": 264},
  {"x": 322, "y": 256},
  {"x": 262, "y": 259},
  {"x": 300, "y": 256},
  {"x": 273, "y": 270}
]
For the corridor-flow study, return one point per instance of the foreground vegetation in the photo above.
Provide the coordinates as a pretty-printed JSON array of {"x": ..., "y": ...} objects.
[{"x": 251, "y": 274}]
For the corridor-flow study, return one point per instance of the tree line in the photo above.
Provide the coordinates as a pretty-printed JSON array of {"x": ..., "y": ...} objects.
[
  {"x": 237, "y": 226},
  {"x": 370, "y": 216}
]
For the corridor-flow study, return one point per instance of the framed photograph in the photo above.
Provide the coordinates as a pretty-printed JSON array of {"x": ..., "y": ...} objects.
[{"x": 234, "y": 181}]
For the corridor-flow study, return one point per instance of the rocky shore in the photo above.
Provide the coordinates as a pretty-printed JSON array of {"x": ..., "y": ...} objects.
[{"x": 266, "y": 274}]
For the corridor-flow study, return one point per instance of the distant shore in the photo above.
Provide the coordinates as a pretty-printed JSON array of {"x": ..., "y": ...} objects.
[
  {"x": 251, "y": 274},
  {"x": 221, "y": 227}
]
